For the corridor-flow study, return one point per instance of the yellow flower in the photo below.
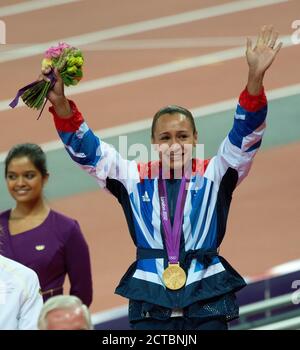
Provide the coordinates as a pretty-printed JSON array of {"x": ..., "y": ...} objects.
[
  {"x": 72, "y": 70},
  {"x": 71, "y": 61},
  {"x": 79, "y": 61},
  {"x": 46, "y": 63}
]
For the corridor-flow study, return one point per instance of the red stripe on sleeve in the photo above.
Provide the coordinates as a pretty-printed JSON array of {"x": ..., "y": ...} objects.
[
  {"x": 199, "y": 166},
  {"x": 71, "y": 124},
  {"x": 253, "y": 103}
]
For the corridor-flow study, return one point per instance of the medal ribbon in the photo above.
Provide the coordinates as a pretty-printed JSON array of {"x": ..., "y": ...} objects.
[{"x": 172, "y": 234}]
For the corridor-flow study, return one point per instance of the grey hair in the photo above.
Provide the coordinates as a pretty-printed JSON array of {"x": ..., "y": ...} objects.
[{"x": 63, "y": 302}]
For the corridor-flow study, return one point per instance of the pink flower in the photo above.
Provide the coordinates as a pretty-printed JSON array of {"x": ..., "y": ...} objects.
[
  {"x": 55, "y": 51},
  {"x": 63, "y": 46}
]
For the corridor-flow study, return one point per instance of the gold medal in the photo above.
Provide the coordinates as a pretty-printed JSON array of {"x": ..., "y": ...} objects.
[{"x": 174, "y": 277}]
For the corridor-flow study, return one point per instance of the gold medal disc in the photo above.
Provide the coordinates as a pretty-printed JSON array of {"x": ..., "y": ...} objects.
[{"x": 174, "y": 277}]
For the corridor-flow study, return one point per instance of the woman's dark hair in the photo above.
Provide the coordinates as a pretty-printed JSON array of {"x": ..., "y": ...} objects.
[
  {"x": 33, "y": 152},
  {"x": 172, "y": 109}
]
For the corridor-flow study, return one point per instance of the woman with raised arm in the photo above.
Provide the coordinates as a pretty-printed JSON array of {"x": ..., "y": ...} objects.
[{"x": 177, "y": 222}]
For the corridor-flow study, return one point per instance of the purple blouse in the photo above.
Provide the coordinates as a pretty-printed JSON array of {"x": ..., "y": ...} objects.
[{"x": 53, "y": 249}]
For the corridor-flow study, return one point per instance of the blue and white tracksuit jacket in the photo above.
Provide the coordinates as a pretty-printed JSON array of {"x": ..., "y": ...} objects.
[{"x": 205, "y": 212}]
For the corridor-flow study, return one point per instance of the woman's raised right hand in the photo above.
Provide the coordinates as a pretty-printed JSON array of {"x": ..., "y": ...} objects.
[{"x": 56, "y": 95}]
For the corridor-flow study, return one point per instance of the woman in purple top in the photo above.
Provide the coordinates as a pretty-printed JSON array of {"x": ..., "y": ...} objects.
[{"x": 38, "y": 237}]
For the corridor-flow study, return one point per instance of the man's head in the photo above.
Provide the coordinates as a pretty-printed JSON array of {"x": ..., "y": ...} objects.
[{"x": 64, "y": 312}]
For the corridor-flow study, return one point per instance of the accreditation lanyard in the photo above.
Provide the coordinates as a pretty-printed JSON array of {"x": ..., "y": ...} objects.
[{"x": 172, "y": 234}]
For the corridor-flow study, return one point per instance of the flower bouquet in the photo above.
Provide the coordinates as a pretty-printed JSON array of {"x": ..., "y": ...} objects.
[{"x": 68, "y": 60}]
